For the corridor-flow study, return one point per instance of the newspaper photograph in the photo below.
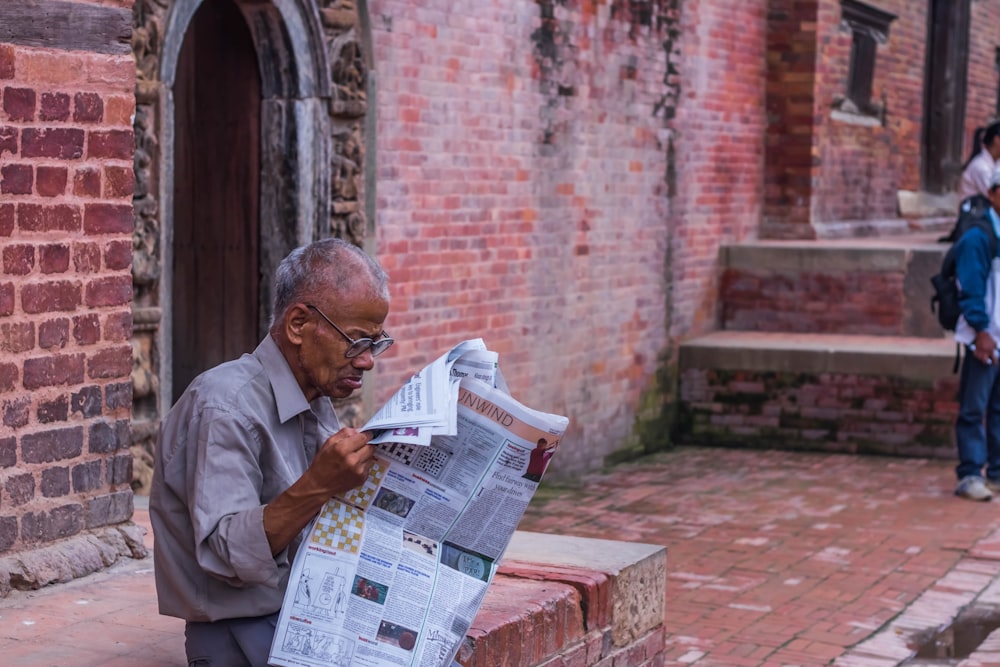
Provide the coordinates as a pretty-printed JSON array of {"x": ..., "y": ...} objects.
[{"x": 394, "y": 572}]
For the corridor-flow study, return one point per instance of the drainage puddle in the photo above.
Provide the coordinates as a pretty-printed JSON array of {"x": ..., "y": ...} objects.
[{"x": 958, "y": 641}]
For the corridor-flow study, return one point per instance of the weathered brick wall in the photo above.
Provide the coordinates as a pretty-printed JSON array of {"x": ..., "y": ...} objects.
[
  {"x": 816, "y": 156},
  {"x": 870, "y": 162},
  {"x": 981, "y": 105},
  {"x": 791, "y": 80},
  {"x": 66, "y": 224},
  {"x": 522, "y": 167},
  {"x": 834, "y": 412},
  {"x": 719, "y": 150},
  {"x": 855, "y": 302}
]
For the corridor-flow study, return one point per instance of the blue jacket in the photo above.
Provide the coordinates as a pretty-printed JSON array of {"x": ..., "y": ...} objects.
[{"x": 972, "y": 269}]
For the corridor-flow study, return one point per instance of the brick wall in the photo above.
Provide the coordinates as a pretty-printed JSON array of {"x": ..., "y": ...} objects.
[
  {"x": 981, "y": 105},
  {"x": 719, "y": 151},
  {"x": 832, "y": 412},
  {"x": 66, "y": 223},
  {"x": 815, "y": 156},
  {"x": 522, "y": 160}
]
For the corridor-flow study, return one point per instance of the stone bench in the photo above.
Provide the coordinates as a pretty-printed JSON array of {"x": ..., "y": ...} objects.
[{"x": 571, "y": 601}]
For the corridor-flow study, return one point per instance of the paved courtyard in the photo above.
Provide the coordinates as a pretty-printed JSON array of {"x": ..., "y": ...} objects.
[
  {"x": 778, "y": 558},
  {"x": 774, "y": 558}
]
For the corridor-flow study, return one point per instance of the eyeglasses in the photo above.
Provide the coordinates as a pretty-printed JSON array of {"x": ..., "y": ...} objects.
[{"x": 359, "y": 346}]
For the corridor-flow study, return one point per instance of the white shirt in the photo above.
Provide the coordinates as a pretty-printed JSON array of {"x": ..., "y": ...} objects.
[{"x": 976, "y": 177}]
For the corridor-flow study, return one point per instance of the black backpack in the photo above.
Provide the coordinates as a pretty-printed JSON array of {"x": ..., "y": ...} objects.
[{"x": 944, "y": 302}]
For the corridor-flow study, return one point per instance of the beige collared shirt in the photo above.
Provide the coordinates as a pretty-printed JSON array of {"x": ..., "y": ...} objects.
[{"x": 232, "y": 443}]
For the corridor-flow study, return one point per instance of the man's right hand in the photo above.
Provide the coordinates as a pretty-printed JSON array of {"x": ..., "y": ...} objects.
[
  {"x": 984, "y": 348},
  {"x": 343, "y": 461},
  {"x": 341, "y": 464}
]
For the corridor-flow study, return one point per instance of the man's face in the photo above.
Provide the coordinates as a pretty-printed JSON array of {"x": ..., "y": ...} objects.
[{"x": 320, "y": 366}]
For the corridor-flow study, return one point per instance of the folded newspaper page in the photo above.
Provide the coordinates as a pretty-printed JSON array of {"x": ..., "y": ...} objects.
[{"x": 394, "y": 572}]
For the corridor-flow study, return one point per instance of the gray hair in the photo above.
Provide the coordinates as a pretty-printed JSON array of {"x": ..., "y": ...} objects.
[{"x": 321, "y": 266}]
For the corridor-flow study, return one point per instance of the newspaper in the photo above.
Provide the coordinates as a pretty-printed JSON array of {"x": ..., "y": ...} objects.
[{"x": 394, "y": 572}]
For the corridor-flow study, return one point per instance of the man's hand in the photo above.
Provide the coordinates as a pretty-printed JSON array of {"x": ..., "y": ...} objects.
[
  {"x": 343, "y": 461},
  {"x": 341, "y": 464},
  {"x": 984, "y": 348}
]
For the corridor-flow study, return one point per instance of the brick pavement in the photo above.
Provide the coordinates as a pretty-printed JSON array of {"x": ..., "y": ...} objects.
[
  {"x": 778, "y": 558},
  {"x": 774, "y": 559}
]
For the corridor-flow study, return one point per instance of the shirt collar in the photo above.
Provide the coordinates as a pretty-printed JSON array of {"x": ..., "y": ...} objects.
[{"x": 288, "y": 395}]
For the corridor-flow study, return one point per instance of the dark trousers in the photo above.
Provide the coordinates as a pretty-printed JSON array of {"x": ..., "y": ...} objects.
[{"x": 234, "y": 642}]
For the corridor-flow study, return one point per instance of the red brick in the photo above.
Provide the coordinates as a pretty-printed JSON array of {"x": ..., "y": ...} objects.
[
  {"x": 108, "y": 218},
  {"x": 88, "y": 108},
  {"x": 19, "y": 104},
  {"x": 16, "y": 179},
  {"x": 51, "y": 181},
  {"x": 7, "y": 217},
  {"x": 18, "y": 260},
  {"x": 53, "y": 334},
  {"x": 119, "y": 182},
  {"x": 118, "y": 110},
  {"x": 118, "y": 327},
  {"x": 118, "y": 255},
  {"x": 9, "y": 374},
  {"x": 38, "y": 218},
  {"x": 87, "y": 182},
  {"x": 110, "y": 363},
  {"x": 8, "y": 140},
  {"x": 60, "y": 295},
  {"x": 53, "y": 370},
  {"x": 54, "y": 258},
  {"x": 6, "y": 61},
  {"x": 62, "y": 143},
  {"x": 17, "y": 337},
  {"x": 55, "y": 106},
  {"x": 7, "y": 295},
  {"x": 113, "y": 144},
  {"x": 87, "y": 329},
  {"x": 109, "y": 291},
  {"x": 86, "y": 257}
]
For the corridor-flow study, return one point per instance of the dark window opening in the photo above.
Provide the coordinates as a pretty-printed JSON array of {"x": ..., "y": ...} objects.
[{"x": 869, "y": 27}]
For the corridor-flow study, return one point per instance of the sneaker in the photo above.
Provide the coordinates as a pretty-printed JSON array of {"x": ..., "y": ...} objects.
[
  {"x": 993, "y": 485},
  {"x": 973, "y": 488}
]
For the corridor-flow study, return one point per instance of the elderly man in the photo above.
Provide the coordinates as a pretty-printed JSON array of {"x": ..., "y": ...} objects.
[{"x": 253, "y": 449}]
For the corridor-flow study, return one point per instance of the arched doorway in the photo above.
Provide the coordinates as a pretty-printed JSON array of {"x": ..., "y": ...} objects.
[{"x": 216, "y": 232}]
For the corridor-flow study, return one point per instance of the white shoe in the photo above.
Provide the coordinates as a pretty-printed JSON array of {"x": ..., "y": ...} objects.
[{"x": 973, "y": 488}]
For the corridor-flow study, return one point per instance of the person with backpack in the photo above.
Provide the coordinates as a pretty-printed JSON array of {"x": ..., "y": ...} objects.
[
  {"x": 977, "y": 428},
  {"x": 982, "y": 162}
]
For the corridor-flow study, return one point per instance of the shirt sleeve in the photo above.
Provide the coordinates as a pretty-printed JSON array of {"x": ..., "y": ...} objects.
[
  {"x": 227, "y": 514},
  {"x": 972, "y": 266}
]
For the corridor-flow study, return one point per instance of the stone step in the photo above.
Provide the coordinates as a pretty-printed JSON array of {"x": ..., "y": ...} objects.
[
  {"x": 878, "y": 286},
  {"x": 830, "y": 392}
]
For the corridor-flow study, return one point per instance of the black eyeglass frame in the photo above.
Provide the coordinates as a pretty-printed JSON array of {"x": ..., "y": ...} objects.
[{"x": 358, "y": 346}]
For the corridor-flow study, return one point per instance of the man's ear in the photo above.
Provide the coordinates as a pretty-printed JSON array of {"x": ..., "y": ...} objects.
[{"x": 296, "y": 318}]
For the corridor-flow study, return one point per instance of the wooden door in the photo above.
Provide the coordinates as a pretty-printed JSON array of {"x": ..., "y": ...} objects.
[{"x": 216, "y": 240}]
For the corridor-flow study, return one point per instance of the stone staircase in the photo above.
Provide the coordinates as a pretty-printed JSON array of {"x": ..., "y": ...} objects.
[{"x": 824, "y": 345}]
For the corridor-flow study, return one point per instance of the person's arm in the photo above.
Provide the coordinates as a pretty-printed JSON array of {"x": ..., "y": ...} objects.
[
  {"x": 341, "y": 464},
  {"x": 972, "y": 269}
]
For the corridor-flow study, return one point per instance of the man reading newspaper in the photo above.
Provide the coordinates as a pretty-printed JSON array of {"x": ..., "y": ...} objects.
[
  {"x": 252, "y": 450},
  {"x": 412, "y": 551}
]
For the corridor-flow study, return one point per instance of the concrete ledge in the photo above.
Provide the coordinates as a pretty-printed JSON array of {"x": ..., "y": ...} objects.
[
  {"x": 559, "y": 600},
  {"x": 882, "y": 254},
  {"x": 891, "y": 356}
]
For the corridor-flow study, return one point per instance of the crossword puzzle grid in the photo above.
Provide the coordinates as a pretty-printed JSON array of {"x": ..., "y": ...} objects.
[
  {"x": 339, "y": 527},
  {"x": 430, "y": 460}
]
